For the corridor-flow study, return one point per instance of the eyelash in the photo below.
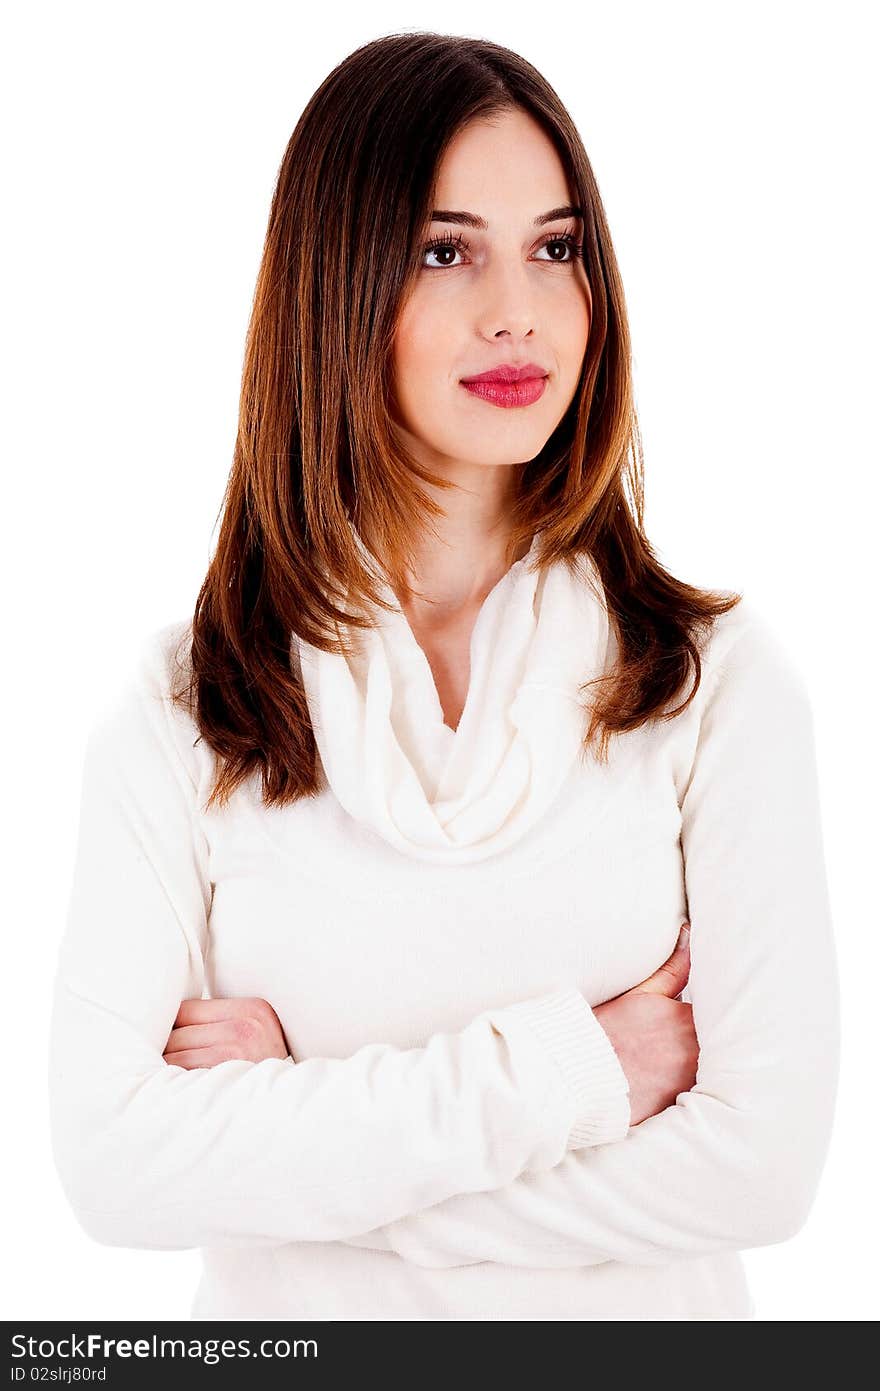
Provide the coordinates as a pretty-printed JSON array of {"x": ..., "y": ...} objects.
[{"x": 461, "y": 243}]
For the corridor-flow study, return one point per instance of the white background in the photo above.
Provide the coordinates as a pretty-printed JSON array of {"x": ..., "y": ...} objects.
[{"x": 735, "y": 150}]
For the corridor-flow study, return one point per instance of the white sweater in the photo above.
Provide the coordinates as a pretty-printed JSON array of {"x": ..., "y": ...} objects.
[{"x": 451, "y": 1137}]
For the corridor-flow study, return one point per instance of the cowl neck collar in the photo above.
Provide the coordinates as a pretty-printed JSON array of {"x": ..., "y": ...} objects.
[{"x": 457, "y": 796}]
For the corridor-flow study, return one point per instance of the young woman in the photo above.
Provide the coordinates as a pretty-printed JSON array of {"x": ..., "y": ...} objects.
[{"x": 370, "y": 986}]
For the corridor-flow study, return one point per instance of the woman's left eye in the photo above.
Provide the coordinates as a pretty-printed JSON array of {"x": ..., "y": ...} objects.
[{"x": 567, "y": 240}]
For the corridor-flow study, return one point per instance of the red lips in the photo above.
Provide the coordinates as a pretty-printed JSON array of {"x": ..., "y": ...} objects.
[{"x": 508, "y": 374}]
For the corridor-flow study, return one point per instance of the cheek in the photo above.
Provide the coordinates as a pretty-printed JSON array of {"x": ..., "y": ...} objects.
[
  {"x": 411, "y": 390},
  {"x": 420, "y": 340},
  {"x": 422, "y": 360},
  {"x": 574, "y": 321},
  {"x": 571, "y": 338},
  {"x": 572, "y": 313}
]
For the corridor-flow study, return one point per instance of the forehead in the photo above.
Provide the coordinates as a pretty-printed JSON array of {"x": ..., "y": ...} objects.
[{"x": 506, "y": 166}]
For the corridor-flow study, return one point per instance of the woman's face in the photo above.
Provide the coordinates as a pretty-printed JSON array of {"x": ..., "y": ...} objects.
[{"x": 513, "y": 293}]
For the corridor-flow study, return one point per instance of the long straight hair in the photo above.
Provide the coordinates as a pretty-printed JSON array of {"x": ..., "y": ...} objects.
[{"x": 317, "y": 453}]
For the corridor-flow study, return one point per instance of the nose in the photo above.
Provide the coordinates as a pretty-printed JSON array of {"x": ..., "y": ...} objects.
[{"x": 508, "y": 305}]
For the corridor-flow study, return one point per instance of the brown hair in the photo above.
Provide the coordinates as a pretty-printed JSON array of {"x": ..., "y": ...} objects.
[{"x": 317, "y": 449}]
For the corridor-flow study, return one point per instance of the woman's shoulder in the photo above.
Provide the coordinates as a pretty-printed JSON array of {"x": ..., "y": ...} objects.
[
  {"x": 163, "y": 657},
  {"x": 749, "y": 653},
  {"x": 157, "y": 669},
  {"x": 145, "y": 712}
]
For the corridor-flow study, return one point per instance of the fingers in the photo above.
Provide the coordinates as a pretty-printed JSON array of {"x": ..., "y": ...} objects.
[
  {"x": 224, "y": 1007},
  {"x": 212, "y": 1031},
  {"x": 199, "y": 1057},
  {"x": 205, "y": 1035},
  {"x": 672, "y": 976}
]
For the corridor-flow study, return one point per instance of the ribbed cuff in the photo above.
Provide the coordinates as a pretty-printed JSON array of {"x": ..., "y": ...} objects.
[{"x": 585, "y": 1056}]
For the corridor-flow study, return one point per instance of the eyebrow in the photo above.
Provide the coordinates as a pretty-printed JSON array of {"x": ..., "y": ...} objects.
[{"x": 471, "y": 220}]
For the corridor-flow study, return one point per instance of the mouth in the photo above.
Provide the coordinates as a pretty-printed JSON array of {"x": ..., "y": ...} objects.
[{"x": 498, "y": 392}]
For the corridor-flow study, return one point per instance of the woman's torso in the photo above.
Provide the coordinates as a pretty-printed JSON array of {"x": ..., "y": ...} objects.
[{"x": 353, "y": 943}]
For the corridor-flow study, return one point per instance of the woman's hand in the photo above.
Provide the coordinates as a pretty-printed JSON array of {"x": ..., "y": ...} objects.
[
  {"x": 207, "y": 1032},
  {"x": 653, "y": 1035}
]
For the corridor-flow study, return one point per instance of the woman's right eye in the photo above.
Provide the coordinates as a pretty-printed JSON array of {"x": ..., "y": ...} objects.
[{"x": 439, "y": 245}]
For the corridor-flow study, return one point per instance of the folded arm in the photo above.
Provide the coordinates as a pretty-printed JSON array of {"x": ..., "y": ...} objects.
[
  {"x": 736, "y": 1162},
  {"x": 248, "y": 1153}
]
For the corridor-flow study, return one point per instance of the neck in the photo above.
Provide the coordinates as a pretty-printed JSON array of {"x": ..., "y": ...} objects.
[{"x": 460, "y": 560}]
